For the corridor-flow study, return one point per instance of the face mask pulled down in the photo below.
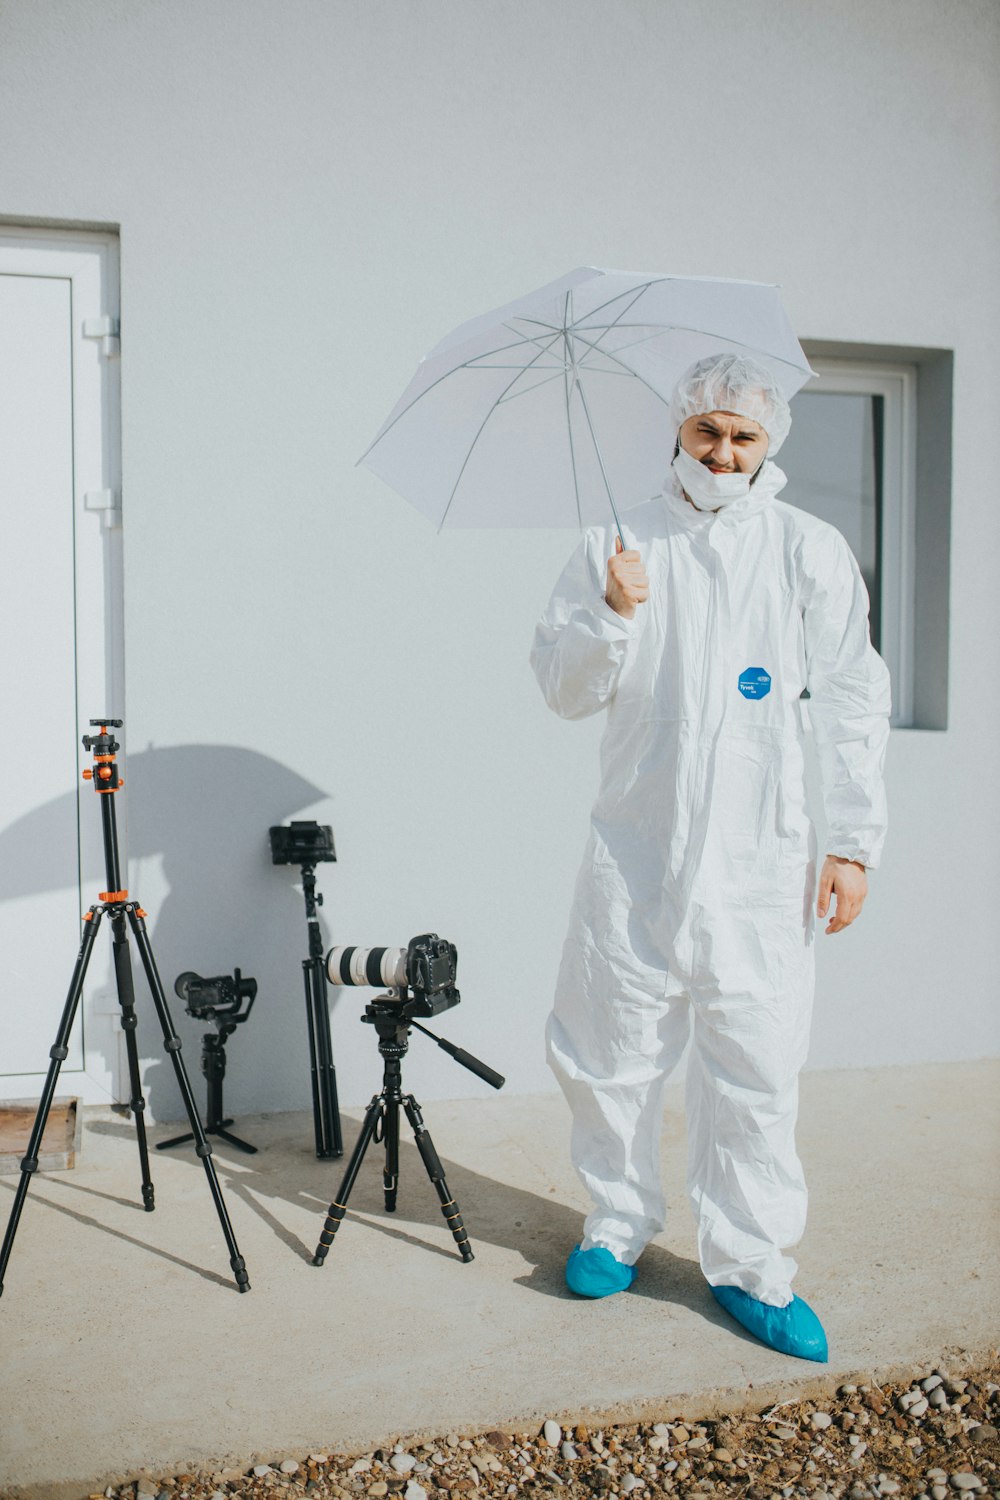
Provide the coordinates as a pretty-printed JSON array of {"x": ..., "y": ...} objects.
[{"x": 708, "y": 491}]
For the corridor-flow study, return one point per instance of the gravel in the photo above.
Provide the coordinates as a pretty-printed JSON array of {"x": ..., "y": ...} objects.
[{"x": 933, "y": 1438}]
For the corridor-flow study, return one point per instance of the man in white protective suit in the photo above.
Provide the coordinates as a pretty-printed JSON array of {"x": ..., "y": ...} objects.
[{"x": 693, "y": 912}]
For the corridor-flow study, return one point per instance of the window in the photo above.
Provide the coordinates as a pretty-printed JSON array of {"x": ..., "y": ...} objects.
[{"x": 869, "y": 451}]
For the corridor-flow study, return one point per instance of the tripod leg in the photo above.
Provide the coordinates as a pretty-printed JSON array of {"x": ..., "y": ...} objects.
[
  {"x": 234, "y": 1140},
  {"x": 319, "y": 1123},
  {"x": 175, "y": 1140},
  {"x": 435, "y": 1172},
  {"x": 126, "y": 999},
  {"x": 390, "y": 1172},
  {"x": 57, "y": 1053},
  {"x": 172, "y": 1043},
  {"x": 339, "y": 1205},
  {"x": 327, "y": 1071}
]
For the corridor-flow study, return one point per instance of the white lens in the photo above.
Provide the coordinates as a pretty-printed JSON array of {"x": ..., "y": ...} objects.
[{"x": 372, "y": 966}]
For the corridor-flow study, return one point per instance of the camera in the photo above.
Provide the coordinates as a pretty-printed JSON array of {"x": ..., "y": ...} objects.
[
  {"x": 223, "y": 994},
  {"x": 301, "y": 844},
  {"x": 427, "y": 966}
]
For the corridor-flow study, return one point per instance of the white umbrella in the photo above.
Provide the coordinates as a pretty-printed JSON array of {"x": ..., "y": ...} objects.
[{"x": 540, "y": 413}]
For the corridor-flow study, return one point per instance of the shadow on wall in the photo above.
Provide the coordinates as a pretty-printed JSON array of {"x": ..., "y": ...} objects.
[{"x": 203, "y": 811}]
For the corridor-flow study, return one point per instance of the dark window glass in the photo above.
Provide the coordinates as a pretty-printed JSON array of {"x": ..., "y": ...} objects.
[{"x": 833, "y": 459}]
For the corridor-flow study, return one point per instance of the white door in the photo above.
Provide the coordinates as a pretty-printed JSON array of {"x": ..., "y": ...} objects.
[{"x": 61, "y": 623}]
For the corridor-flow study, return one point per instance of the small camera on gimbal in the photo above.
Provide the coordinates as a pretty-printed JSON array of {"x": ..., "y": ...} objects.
[{"x": 222, "y": 995}]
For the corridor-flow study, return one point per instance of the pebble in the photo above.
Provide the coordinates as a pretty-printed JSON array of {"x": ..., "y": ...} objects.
[{"x": 768, "y": 1455}]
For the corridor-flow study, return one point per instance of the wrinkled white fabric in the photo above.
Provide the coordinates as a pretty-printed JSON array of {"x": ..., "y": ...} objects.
[
  {"x": 704, "y": 489},
  {"x": 693, "y": 909}
]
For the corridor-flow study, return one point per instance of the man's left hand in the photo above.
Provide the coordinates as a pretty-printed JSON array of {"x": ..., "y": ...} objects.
[{"x": 848, "y": 881}]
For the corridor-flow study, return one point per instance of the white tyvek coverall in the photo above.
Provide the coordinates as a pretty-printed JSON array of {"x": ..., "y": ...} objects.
[{"x": 693, "y": 907}]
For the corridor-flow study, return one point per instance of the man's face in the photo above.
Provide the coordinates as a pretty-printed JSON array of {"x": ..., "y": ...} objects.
[{"x": 724, "y": 442}]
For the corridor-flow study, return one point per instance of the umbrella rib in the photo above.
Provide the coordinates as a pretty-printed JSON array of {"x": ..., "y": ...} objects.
[
  {"x": 608, "y": 355},
  {"x": 481, "y": 430},
  {"x": 724, "y": 338},
  {"x": 468, "y": 364},
  {"x": 527, "y": 390},
  {"x": 608, "y": 326}
]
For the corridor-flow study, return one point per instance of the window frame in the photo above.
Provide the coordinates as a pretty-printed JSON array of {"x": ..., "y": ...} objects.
[{"x": 896, "y": 512}]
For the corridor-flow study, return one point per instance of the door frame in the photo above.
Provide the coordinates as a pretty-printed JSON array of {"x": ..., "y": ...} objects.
[{"x": 89, "y": 261}]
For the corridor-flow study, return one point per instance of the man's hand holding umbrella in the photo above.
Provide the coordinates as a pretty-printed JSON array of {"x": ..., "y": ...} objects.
[{"x": 627, "y": 582}]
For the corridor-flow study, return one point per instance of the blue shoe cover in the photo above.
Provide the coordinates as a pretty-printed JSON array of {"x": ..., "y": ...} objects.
[
  {"x": 794, "y": 1329},
  {"x": 596, "y": 1273}
]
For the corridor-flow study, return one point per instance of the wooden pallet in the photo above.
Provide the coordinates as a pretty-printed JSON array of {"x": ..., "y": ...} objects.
[{"x": 61, "y": 1140}]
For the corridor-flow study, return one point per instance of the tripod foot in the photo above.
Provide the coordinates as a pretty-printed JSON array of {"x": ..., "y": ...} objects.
[
  {"x": 148, "y": 1197},
  {"x": 233, "y": 1140},
  {"x": 333, "y": 1221},
  {"x": 239, "y": 1266}
]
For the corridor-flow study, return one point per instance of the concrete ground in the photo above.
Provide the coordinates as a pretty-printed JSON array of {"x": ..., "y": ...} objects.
[{"x": 127, "y": 1349}]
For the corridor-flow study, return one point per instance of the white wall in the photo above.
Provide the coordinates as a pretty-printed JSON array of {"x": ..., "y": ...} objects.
[{"x": 309, "y": 195}]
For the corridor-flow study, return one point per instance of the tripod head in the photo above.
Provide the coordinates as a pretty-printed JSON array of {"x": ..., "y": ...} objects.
[
  {"x": 104, "y": 773},
  {"x": 394, "y": 1014}
]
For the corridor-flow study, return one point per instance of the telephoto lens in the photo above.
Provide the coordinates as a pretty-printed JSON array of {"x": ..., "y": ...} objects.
[{"x": 374, "y": 966}]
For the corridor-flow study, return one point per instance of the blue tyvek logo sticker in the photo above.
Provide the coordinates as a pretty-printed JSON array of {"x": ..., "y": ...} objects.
[{"x": 754, "y": 683}]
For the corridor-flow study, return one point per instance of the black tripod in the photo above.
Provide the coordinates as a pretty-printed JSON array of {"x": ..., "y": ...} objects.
[
  {"x": 392, "y": 1016},
  {"x": 306, "y": 844},
  {"x": 122, "y": 911}
]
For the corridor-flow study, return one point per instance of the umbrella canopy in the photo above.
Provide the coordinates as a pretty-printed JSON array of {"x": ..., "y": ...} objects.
[{"x": 540, "y": 413}]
